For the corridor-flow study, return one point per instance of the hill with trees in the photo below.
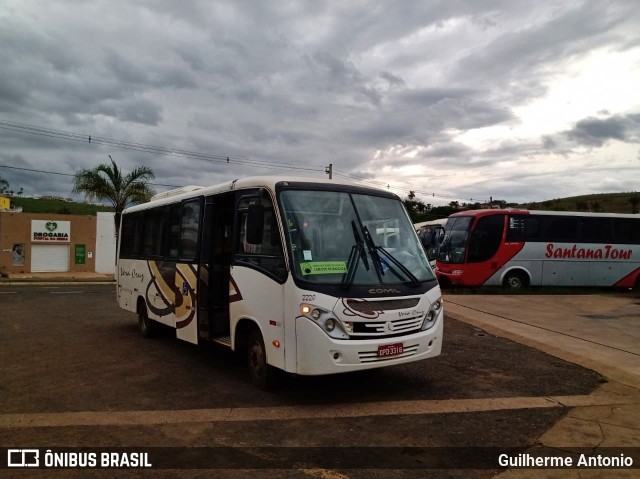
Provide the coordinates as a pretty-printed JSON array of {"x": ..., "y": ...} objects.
[
  {"x": 598, "y": 203},
  {"x": 57, "y": 205}
]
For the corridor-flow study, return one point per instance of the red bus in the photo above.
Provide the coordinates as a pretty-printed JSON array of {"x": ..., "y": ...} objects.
[{"x": 519, "y": 248}]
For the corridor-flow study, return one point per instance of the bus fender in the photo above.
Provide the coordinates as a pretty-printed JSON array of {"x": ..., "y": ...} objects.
[{"x": 242, "y": 331}]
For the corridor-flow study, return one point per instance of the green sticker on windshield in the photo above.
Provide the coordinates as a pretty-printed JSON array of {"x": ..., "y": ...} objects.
[{"x": 323, "y": 267}]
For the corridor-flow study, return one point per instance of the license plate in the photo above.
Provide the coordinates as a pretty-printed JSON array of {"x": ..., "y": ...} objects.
[{"x": 390, "y": 350}]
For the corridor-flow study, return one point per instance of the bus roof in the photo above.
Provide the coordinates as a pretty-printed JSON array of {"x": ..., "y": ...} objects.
[
  {"x": 438, "y": 222},
  {"x": 489, "y": 212},
  {"x": 245, "y": 183}
]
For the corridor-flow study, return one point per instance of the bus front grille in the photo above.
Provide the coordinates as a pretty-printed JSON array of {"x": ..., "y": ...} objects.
[
  {"x": 362, "y": 305},
  {"x": 396, "y": 327}
]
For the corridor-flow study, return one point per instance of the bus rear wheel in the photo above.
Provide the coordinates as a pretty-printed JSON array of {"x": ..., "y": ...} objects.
[
  {"x": 515, "y": 280},
  {"x": 262, "y": 374}
]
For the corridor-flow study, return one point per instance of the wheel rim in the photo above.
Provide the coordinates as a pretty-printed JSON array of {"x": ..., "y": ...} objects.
[
  {"x": 256, "y": 360},
  {"x": 514, "y": 282}
]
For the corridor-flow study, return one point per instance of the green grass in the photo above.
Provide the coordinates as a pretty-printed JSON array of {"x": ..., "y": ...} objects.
[{"x": 61, "y": 207}]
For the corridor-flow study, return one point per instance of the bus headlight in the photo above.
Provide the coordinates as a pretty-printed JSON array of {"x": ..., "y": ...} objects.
[
  {"x": 325, "y": 320},
  {"x": 432, "y": 314},
  {"x": 437, "y": 304}
]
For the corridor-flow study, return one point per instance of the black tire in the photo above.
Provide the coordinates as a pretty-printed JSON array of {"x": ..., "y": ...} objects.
[
  {"x": 262, "y": 374},
  {"x": 146, "y": 326},
  {"x": 516, "y": 281}
]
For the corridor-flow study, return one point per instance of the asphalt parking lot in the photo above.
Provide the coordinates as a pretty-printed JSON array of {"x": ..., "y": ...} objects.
[{"x": 74, "y": 372}]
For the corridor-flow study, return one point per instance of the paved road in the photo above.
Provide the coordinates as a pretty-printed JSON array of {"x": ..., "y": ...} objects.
[{"x": 74, "y": 372}]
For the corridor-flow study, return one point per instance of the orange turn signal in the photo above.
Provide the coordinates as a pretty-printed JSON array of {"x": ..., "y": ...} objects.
[{"x": 276, "y": 343}]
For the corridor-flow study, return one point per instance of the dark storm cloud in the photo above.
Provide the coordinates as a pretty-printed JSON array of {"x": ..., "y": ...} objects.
[
  {"x": 140, "y": 76},
  {"x": 596, "y": 131},
  {"x": 392, "y": 79}
]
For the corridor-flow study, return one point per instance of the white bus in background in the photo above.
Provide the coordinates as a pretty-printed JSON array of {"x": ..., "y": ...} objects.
[
  {"x": 300, "y": 274},
  {"x": 431, "y": 233}
]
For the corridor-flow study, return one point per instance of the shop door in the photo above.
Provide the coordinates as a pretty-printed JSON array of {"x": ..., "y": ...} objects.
[{"x": 49, "y": 258}]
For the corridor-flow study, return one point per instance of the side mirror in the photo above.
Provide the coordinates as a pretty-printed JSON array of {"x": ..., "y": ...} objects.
[{"x": 255, "y": 223}]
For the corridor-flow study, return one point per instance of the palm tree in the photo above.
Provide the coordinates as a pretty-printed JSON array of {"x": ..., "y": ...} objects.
[
  {"x": 106, "y": 182},
  {"x": 4, "y": 185}
]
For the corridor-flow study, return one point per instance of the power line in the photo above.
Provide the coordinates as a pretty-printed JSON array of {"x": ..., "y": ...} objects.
[
  {"x": 132, "y": 146},
  {"x": 213, "y": 158},
  {"x": 68, "y": 174},
  {"x": 379, "y": 184}
]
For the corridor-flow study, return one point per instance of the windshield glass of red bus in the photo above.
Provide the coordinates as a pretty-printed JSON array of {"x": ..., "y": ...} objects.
[
  {"x": 455, "y": 242},
  {"x": 370, "y": 237}
]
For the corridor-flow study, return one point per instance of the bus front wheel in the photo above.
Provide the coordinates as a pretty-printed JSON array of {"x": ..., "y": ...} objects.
[
  {"x": 145, "y": 324},
  {"x": 515, "y": 280},
  {"x": 262, "y": 374}
]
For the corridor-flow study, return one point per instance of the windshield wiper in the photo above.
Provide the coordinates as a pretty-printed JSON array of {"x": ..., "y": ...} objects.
[
  {"x": 373, "y": 250},
  {"x": 378, "y": 261},
  {"x": 412, "y": 277},
  {"x": 357, "y": 250}
]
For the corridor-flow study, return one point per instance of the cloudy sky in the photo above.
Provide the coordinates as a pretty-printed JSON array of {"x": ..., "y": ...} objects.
[{"x": 518, "y": 100}]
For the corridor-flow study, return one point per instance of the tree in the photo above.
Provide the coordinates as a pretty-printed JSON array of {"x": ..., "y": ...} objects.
[
  {"x": 106, "y": 182},
  {"x": 4, "y": 185},
  {"x": 634, "y": 200},
  {"x": 416, "y": 208}
]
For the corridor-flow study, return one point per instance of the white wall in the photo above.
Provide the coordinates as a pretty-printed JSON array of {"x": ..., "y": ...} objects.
[{"x": 105, "y": 244}]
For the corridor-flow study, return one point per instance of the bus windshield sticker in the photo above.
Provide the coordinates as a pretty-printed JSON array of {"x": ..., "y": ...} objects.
[
  {"x": 307, "y": 255},
  {"x": 324, "y": 267}
]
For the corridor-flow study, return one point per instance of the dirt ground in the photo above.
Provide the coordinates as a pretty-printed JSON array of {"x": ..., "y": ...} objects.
[{"x": 71, "y": 349}]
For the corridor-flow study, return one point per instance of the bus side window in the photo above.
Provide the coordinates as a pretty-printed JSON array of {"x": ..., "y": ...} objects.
[
  {"x": 174, "y": 231},
  {"x": 126, "y": 236},
  {"x": 627, "y": 230},
  {"x": 595, "y": 230},
  {"x": 266, "y": 255},
  {"x": 138, "y": 232},
  {"x": 515, "y": 228},
  {"x": 153, "y": 233},
  {"x": 560, "y": 228},
  {"x": 189, "y": 228}
]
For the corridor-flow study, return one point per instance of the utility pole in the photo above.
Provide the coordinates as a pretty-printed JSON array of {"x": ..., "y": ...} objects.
[{"x": 329, "y": 171}]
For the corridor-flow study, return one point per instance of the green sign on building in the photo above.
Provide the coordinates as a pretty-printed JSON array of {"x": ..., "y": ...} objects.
[{"x": 80, "y": 253}]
